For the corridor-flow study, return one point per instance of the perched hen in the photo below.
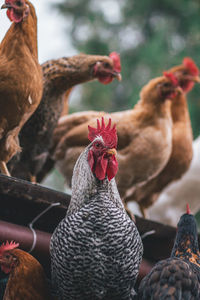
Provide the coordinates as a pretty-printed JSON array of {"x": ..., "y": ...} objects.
[
  {"x": 96, "y": 249},
  {"x": 20, "y": 76},
  {"x": 144, "y": 135},
  {"x": 59, "y": 76},
  {"x": 182, "y": 137},
  {"x": 177, "y": 277},
  {"x": 26, "y": 276}
]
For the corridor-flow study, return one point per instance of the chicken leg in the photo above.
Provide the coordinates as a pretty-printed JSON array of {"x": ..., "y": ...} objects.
[{"x": 4, "y": 168}]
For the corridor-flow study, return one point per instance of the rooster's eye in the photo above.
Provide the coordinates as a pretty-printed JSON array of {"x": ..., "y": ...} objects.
[{"x": 97, "y": 145}]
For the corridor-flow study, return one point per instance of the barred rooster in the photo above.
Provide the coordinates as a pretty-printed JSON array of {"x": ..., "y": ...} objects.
[
  {"x": 177, "y": 277},
  {"x": 96, "y": 249}
]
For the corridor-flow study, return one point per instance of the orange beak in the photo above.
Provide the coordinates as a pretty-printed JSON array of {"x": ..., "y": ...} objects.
[
  {"x": 179, "y": 90},
  {"x": 118, "y": 76},
  {"x": 192, "y": 78},
  {"x": 5, "y": 6},
  {"x": 196, "y": 79},
  {"x": 112, "y": 151}
]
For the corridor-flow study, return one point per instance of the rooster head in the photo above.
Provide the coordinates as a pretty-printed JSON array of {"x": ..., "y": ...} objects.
[
  {"x": 7, "y": 259},
  {"x": 107, "y": 71},
  {"x": 102, "y": 153},
  {"x": 17, "y": 11},
  {"x": 187, "y": 74}
]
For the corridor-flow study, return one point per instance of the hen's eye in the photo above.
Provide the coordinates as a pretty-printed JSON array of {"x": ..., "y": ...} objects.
[
  {"x": 167, "y": 84},
  {"x": 18, "y": 3},
  {"x": 106, "y": 65}
]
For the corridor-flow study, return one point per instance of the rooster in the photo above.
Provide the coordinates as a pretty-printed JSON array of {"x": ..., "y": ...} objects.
[
  {"x": 20, "y": 76},
  {"x": 59, "y": 76},
  {"x": 145, "y": 135},
  {"x": 26, "y": 276},
  {"x": 181, "y": 155},
  {"x": 96, "y": 249},
  {"x": 177, "y": 277}
]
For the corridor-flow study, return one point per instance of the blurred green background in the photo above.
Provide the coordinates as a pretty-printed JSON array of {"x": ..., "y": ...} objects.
[{"x": 151, "y": 36}]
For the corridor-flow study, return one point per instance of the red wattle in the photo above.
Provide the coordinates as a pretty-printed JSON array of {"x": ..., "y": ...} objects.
[
  {"x": 9, "y": 15},
  {"x": 101, "y": 167},
  {"x": 105, "y": 79},
  {"x": 112, "y": 168},
  {"x": 188, "y": 86}
]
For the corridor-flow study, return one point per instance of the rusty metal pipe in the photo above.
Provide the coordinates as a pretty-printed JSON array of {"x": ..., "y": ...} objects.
[{"x": 24, "y": 236}]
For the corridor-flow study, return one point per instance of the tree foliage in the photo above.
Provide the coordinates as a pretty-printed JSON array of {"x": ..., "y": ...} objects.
[{"x": 150, "y": 36}]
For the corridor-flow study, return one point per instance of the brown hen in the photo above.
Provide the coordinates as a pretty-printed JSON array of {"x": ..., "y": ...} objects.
[
  {"x": 20, "y": 76},
  {"x": 182, "y": 137},
  {"x": 26, "y": 276}
]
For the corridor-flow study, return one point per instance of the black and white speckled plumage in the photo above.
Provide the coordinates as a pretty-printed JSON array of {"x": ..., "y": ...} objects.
[{"x": 96, "y": 250}]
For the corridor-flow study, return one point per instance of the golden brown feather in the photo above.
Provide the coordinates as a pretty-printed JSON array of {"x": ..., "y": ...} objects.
[{"x": 21, "y": 81}]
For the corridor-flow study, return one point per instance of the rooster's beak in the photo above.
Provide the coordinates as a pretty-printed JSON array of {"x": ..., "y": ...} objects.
[{"x": 112, "y": 151}]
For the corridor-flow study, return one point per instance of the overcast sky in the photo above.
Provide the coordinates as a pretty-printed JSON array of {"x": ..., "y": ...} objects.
[{"x": 52, "y": 39}]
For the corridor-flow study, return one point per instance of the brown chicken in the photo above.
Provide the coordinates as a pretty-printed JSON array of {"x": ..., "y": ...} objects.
[
  {"x": 20, "y": 76},
  {"x": 144, "y": 135},
  {"x": 59, "y": 77},
  {"x": 182, "y": 152},
  {"x": 26, "y": 276}
]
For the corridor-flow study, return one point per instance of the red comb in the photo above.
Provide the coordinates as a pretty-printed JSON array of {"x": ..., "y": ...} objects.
[
  {"x": 190, "y": 64},
  {"x": 108, "y": 134},
  {"x": 171, "y": 77},
  {"x": 8, "y": 246},
  {"x": 116, "y": 61},
  {"x": 188, "y": 211}
]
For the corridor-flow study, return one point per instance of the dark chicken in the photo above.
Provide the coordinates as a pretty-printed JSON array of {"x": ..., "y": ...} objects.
[
  {"x": 20, "y": 76},
  {"x": 26, "y": 276},
  {"x": 96, "y": 249},
  {"x": 177, "y": 277},
  {"x": 59, "y": 76},
  {"x": 181, "y": 155}
]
